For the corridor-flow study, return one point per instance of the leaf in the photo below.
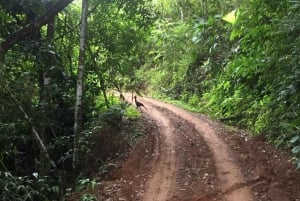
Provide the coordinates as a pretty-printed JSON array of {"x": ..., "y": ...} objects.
[
  {"x": 231, "y": 17},
  {"x": 294, "y": 139},
  {"x": 35, "y": 174},
  {"x": 93, "y": 184},
  {"x": 296, "y": 150},
  {"x": 54, "y": 189}
]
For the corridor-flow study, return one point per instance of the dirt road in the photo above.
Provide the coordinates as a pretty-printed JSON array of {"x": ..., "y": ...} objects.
[
  {"x": 189, "y": 157},
  {"x": 228, "y": 173}
]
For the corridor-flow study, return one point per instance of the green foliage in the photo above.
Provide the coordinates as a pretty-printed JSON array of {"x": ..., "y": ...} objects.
[
  {"x": 40, "y": 72},
  {"x": 132, "y": 112},
  {"x": 245, "y": 73},
  {"x": 88, "y": 197},
  {"x": 27, "y": 188},
  {"x": 106, "y": 137},
  {"x": 295, "y": 144},
  {"x": 114, "y": 114},
  {"x": 259, "y": 84},
  {"x": 163, "y": 72},
  {"x": 86, "y": 183}
]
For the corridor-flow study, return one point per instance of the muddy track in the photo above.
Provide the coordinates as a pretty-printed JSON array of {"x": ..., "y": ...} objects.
[{"x": 185, "y": 157}]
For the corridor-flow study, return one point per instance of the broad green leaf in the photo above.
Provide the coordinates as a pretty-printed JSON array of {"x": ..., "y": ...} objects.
[{"x": 231, "y": 17}]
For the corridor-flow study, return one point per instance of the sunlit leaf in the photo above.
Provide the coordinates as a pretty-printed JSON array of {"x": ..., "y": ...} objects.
[
  {"x": 231, "y": 17},
  {"x": 35, "y": 174}
]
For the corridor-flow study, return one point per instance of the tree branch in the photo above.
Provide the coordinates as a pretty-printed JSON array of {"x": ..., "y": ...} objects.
[
  {"x": 12, "y": 39},
  {"x": 35, "y": 133}
]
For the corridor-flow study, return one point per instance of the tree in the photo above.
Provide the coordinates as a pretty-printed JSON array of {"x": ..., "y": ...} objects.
[
  {"x": 80, "y": 82},
  {"x": 40, "y": 70}
]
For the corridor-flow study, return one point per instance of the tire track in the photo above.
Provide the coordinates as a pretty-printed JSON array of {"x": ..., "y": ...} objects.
[
  {"x": 160, "y": 185},
  {"x": 228, "y": 173}
]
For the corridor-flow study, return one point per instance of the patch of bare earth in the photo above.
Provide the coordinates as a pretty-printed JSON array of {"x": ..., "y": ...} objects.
[
  {"x": 268, "y": 170},
  {"x": 188, "y": 157}
]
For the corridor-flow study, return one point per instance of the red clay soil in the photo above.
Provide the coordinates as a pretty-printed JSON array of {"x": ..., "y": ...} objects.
[{"x": 187, "y": 157}]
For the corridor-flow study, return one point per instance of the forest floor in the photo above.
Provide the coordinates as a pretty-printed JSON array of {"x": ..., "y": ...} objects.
[{"x": 187, "y": 157}]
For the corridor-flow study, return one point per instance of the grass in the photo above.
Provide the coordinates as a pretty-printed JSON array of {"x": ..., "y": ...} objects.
[
  {"x": 181, "y": 104},
  {"x": 132, "y": 113}
]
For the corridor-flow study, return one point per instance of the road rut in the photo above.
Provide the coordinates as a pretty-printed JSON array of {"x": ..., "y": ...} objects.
[{"x": 228, "y": 173}]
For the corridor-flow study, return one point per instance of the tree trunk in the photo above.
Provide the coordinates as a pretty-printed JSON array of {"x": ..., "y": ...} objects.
[
  {"x": 45, "y": 95},
  {"x": 80, "y": 81}
]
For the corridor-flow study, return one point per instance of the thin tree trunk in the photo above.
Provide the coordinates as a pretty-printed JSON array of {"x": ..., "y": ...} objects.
[
  {"x": 103, "y": 89},
  {"x": 80, "y": 81},
  {"x": 45, "y": 96},
  {"x": 35, "y": 133}
]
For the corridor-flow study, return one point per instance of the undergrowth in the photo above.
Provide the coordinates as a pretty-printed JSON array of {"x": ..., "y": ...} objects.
[
  {"x": 111, "y": 139},
  {"x": 288, "y": 137}
]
